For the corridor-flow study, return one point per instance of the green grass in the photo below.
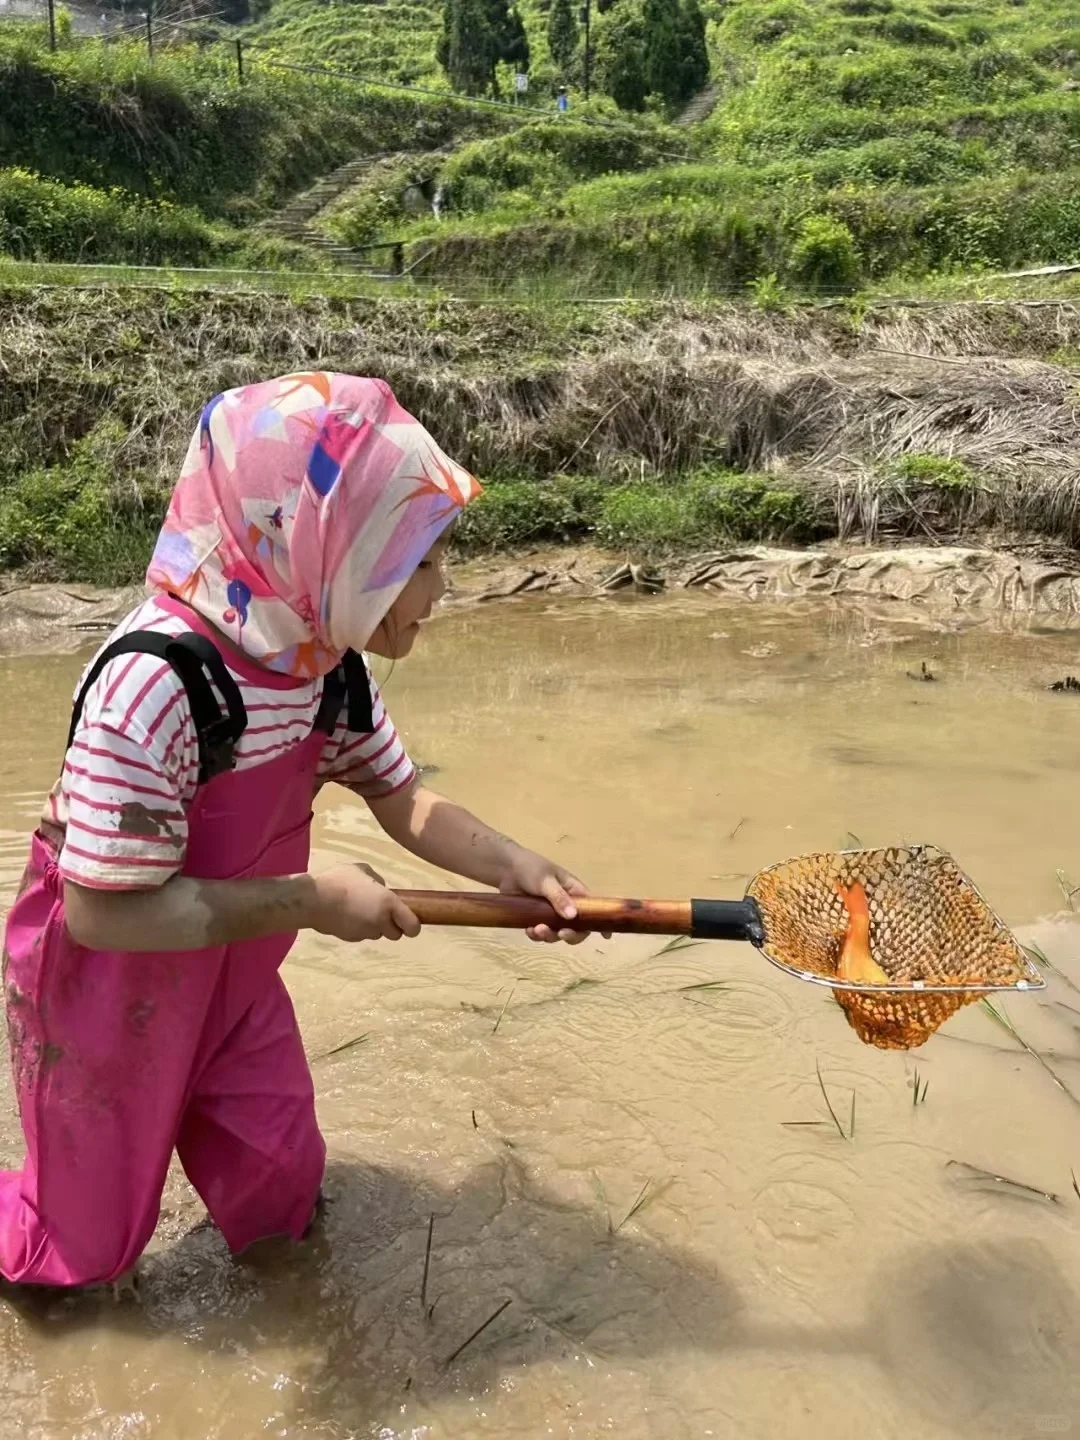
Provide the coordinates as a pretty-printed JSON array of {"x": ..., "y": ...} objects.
[
  {"x": 66, "y": 518},
  {"x": 46, "y": 220},
  {"x": 688, "y": 228},
  {"x": 182, "y": 130},
  {"x": 525, "y": 171},
  {"x": 235, "y": 278},
  {"x": 647, "y": 516},
  {"x": 394, "y": 42},
  {"x": 937, "y": 472}
]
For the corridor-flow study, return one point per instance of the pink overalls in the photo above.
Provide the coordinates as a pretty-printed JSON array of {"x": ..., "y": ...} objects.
[{"x": 119, "y": 1058}]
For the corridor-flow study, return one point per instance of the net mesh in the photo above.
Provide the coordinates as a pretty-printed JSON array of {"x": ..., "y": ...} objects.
[{"x": 928, "y": 924}]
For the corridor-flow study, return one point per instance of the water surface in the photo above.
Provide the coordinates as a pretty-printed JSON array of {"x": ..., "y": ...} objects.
[{"x": 779, "y": 1279}]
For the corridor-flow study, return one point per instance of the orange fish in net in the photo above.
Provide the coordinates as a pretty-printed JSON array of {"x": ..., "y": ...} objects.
[{"x": 856, "y": 963}]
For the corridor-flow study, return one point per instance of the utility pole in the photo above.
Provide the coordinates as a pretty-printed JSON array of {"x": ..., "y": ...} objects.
[
  {"x": 52, "y": 24},
  {"x": 586, "y": 20}
]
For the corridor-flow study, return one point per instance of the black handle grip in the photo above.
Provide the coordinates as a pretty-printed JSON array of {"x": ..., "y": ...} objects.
[{"x": 727, "y": 920}]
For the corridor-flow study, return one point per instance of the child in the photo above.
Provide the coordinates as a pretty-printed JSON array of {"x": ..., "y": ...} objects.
[{"x": 168, "y": 876}]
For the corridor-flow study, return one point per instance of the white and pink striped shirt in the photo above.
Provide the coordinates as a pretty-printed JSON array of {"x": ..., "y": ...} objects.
[{"x": 132, "y": 772}]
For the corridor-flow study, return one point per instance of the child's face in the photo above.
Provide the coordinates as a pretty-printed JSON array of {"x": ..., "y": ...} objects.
[{"x": 400, "y": 625}]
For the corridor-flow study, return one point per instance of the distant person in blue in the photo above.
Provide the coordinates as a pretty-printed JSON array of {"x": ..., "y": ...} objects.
[{"x": 562, "y": 102}]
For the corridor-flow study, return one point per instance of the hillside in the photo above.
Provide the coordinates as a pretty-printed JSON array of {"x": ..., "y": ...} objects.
[
  {"x": 175, "y": 161},
  {"x": 854, "y": 147},
  {"x": 391, "y": 41},
  {"x": 853, "y": 142}
]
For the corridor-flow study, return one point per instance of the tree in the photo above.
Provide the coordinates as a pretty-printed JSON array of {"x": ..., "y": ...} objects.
[
  {"x": 663, "y": 63},
  {"x": 621, "y": 58},
  {"x": 676, "y": 57},
  {"x": 464, "y": 49},
  {"x": 694, "y": 49},
  {"x": 652, "y": 47},
  {"x": 478, "y": 36},
  {"x": 510, "y": 44},
  {"x": 629, "y": 87},
  {"x": 563, "y": 34}
]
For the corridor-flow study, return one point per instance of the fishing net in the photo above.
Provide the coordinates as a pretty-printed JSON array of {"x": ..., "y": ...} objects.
[{"x": 931, "y": 932}]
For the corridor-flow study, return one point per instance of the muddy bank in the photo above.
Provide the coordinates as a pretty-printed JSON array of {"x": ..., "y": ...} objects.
[
  {"x": 944, "y": 584},
  {"x": 941, "y": 579},
  {"x": 937, "y": 422}
]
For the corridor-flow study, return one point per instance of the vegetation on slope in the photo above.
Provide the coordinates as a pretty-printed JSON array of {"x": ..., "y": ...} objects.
[
  {"x": 395, "y": 41},
  {"x": 83, "y": 225},
  {"x": 643, "y": 51},
  {"x": 206, "y": 151},
  {"x": 854, "y": 140},
  {"x": 642, "y": 426}
]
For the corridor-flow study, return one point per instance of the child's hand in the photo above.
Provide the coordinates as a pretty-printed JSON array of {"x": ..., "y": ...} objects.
[
  {"x": 353, "y": 903},
  {"x": 530, "y": 874}
]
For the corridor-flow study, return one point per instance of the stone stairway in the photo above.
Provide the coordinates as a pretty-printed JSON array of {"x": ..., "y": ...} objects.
[
  {"x": 701, "y": 107},
  {"x": 294, "y": 220}
]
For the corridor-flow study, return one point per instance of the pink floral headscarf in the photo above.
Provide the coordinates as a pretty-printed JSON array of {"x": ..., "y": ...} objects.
[{"x": 303, "y": 507}]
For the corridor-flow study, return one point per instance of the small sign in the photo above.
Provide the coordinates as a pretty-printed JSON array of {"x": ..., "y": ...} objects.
[{"x": 521, "y": 83}]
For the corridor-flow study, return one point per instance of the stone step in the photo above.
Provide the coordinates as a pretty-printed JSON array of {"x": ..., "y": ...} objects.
[
  {"x": 701, "y": 106},
  {"x": 293, "y": 220}
]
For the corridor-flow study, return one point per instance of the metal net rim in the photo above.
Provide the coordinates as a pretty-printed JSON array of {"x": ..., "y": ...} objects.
[{"x": 913, "y": 988}]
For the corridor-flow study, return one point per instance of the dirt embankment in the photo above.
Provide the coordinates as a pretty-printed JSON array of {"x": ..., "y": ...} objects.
[{"x": 936, "y": 422}]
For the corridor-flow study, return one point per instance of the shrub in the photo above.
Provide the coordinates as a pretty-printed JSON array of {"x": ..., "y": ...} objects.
[
  {"x": 69, "y": 520},
  {"x": 45, "y": 220},
  {"x": 824, "y": 256},
  {"x": 769, "y": 294}
]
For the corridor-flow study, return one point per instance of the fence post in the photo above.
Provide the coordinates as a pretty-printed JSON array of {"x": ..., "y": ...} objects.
[
  {"x": 150, "y": 29},
  {"x": 52, "y": 24},
  {"x": 240, "y": 61}
]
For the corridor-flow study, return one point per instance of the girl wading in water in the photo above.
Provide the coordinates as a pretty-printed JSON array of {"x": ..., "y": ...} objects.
[{"x": 168, "y": 877}]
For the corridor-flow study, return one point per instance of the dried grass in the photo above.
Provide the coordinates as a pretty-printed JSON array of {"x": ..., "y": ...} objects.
[{"x": 617, "y": 392}]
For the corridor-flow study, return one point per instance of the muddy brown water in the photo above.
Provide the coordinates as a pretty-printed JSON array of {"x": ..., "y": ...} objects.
[{"x": 780, "y": 1279}]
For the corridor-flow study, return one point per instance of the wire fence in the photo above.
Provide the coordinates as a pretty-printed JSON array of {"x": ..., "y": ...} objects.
[{"x": 160, "y": 27}]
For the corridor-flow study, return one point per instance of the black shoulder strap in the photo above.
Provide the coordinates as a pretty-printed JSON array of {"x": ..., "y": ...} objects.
[
  {"x": 349, "y": 684},
  {"x": 190, "y": 656},
  {"x": 358, "y": 685},
  {"x": 333, "y": 698}
]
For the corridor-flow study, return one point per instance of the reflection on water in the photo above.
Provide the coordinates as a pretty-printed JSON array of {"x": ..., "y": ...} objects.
[{"x": 777, "y": 1279}]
